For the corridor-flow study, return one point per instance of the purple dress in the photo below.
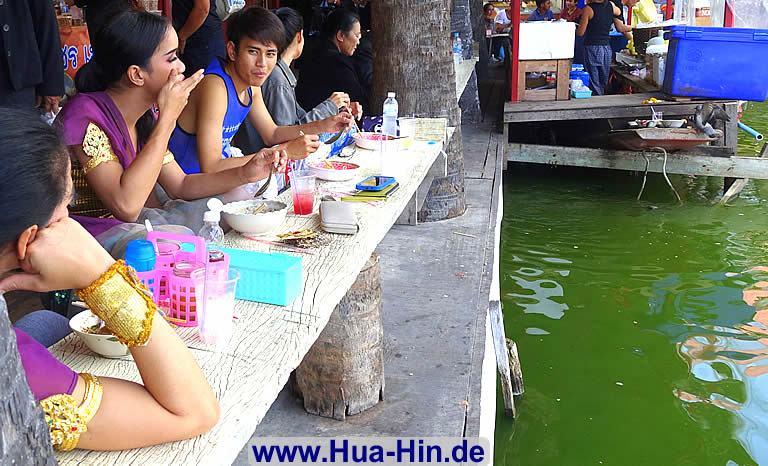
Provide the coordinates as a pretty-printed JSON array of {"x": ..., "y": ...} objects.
[{"x": 46, "y": 375}]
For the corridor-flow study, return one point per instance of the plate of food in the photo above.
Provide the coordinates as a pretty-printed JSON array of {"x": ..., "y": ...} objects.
[
  {"x": 372, "y": 141},
  {"x": 333, "y": 171},
  {"x": 97, "y": 336},
  {"x": 254, "y": 217}
]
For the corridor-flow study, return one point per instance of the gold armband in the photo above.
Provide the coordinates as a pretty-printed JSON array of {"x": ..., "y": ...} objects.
[
  {"x": 67, "y": 421},
  {"x": 123, "y": 303}
]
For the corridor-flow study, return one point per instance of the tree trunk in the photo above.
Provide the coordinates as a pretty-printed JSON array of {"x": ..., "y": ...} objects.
[
  {"x": 343, "y": 372},
  {"x": 412, "y": 57},
  {"x": 24, "y": 437}
]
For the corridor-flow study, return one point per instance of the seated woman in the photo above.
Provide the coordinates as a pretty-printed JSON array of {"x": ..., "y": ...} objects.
[
  {"x": 122, "y": 148},
  {"x": 229, "y": 93},
  {"x": 331, "y": 67},
  {"x": 570, "y": 12},
  {"x": 543, "y": 12},
  {"x": 279, "y": 89},
  {"x": 86, "y": 410}
]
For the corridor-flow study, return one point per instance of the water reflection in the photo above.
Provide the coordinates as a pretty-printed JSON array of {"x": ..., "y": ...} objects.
[{"x": 733, "y": 363}]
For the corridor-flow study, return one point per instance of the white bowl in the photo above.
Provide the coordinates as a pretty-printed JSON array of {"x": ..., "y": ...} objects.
[
  {"x": 105, "y": 345},
  {"x": 672, "y": 123},
  {"x": 371, "y": 141},
  {"x": 321, "y": 171},
  {"x": 254, "y": 224}
]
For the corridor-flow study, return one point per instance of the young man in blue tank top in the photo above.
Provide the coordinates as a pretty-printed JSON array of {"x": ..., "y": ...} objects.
[
  {"x": 229, "y": 93},
  {"x": 596, "y": 21}
]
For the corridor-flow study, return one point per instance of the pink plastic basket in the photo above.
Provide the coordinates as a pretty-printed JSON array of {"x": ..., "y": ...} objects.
[{"x": 176, "y": 295}]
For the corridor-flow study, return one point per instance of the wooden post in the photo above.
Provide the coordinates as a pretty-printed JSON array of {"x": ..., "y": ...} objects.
[
  {"x": 502, "y": 357},
  {"x": 343, "y": 373},
  {"x": 516, "y": 371}
]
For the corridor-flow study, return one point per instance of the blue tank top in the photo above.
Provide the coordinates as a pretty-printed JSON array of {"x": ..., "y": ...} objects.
[{"x": 184, "y": 145}]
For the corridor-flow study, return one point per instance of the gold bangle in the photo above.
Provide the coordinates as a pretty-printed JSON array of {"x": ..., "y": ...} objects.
[
  {"x": 67, "y": 421},
  {"x": 123, "y": 303}
]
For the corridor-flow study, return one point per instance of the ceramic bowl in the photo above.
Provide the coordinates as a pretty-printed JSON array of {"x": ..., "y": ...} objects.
[
  {"x": 235, "y": 214},
  {"x": 370, "y": 141},
  {"x": 105, "y": 345},
  {"x": 672, "y": 123},
  {"x": 340, "y": 171}
]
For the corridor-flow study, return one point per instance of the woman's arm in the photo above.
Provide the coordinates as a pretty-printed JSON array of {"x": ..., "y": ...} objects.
[
  {"x": 125, "y": 191},
  {"x": 130, "y": 415},
  {"x": 175, "y": 402}
]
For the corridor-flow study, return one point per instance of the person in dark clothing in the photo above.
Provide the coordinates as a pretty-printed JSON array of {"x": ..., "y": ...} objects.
[
  {"x": 31, "y": 70},
  {"x": 98, "y": 12},
  {"x": 331, "y": 67},
  {"x": 201, "y": 37},
  {"x": 595, "y": 26}
]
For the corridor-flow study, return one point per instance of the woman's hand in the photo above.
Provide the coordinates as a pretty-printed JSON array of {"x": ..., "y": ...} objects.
[
  {"x": 339, "y": 99},
  {"x": 336, "y": 123},
  {"x": 302, "y": 146},
  {"x": 175, "y": 94},
  {"x": 263, "y": 163},
  {"x": 60, "y": 257},
  {"x": 356, "y": 109}
]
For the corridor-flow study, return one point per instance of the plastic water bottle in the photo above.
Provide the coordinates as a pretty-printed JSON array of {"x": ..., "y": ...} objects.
[
  {"x": 389, "y": 123},
  {"x": 457, "y": 49},
  {"x": 211, "y": 231}
]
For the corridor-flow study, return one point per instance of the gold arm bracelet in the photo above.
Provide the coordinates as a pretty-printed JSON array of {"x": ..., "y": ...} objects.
[
  {"x": 66, "y": 421},
  {"x": 123, "y": 303}
]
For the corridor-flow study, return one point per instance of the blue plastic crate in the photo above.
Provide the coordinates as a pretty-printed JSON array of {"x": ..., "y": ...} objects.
[
  {"x": 581, "y": 94},
  {"x": 720, "y": 63},
  {"x": 266, "y": 278}
]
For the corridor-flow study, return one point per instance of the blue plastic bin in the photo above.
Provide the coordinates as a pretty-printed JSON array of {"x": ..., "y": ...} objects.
[
  {"x": 720, "y": 63},
  {"x": 266, "y": 278}
]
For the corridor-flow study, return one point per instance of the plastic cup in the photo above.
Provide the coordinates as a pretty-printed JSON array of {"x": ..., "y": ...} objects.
[
  {"x": 303, "y": 190},
  {"x": 215, "y": 299},
  {"x": 140, "y": 254},
  {"x": 407, "y": 127}
]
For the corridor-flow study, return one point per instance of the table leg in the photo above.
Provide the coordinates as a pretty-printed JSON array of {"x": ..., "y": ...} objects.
[{"x": 343, "y": 373}]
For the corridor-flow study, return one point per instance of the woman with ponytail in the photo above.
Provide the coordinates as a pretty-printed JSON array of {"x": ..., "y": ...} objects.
[{"x": 117, "y": 129}]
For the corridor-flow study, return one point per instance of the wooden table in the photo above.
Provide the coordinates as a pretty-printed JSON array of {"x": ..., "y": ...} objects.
[{"x": 269, "y": 342}]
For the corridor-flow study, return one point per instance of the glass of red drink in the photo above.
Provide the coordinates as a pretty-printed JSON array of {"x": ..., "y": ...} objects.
[{"x": 303, "y": 189}]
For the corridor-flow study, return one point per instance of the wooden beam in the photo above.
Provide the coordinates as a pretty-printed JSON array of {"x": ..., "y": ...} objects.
[
  {"x": 738, "y": 185},
  {"x": 682, "y": 163},
  {"x": 502, "y": 356}
]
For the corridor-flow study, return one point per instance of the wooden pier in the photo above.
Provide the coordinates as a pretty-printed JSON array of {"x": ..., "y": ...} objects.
[{"x": 615, "y": 110}]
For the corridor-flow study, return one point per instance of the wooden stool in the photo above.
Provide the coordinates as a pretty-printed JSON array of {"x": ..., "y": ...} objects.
[
  {"x": 562, "y": 70},
  {"x": 343, "y": 373}
]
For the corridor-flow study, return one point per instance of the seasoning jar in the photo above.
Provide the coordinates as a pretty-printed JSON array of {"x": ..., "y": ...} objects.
[{"x": 185, "y": 269}]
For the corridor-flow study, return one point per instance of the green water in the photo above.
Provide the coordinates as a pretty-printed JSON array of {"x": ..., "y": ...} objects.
[{"x": 629, "y": 319}]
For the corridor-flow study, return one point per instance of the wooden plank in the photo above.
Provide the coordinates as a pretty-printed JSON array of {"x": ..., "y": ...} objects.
[
  {"x": 683, "y": 163},
  {"x": 268, "y": 342},
  {"x": 563, "y": 81},
  {"x": 502, "y": 357},
  {"x": 738, "y": 185},
  {"x": 602, "y": 101}
]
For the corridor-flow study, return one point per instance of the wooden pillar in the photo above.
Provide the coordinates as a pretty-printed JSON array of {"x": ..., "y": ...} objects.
[{"x": 343, "y": 373}]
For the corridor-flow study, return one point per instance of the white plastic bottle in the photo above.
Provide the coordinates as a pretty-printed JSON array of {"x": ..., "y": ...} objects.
[
  {"x": 211, "y": 231},
  {"x": 389, "y": 121},
  {"x": 457, "y": 49}
]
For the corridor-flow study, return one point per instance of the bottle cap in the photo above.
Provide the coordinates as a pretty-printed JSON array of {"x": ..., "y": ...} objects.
[
  {"x": 391, "y": 94},
  {"x": 212, "y": 216},
  {"x": 140, "y": 254}
]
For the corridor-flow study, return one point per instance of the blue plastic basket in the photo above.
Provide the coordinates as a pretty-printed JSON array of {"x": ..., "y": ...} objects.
[
  {"x": 266, "y": 278},
  {"x": 720, "y": 63},
  {"x": 582, "y": 94}
]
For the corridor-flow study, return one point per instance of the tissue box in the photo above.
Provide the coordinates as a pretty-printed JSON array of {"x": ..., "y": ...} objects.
[{"x": 266, "y": 278}]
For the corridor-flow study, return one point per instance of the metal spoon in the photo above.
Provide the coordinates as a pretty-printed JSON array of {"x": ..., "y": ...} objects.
[{"x": 264, "y": 187}]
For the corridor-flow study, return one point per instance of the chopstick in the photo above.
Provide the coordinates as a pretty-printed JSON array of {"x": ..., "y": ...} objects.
[{"x": 281, "y": 245}]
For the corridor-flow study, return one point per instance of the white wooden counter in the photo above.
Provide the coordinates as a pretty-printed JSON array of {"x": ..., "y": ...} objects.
[{"x": 269, "y": 341}]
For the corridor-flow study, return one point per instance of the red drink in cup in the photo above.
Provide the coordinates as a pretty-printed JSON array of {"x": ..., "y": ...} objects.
[{"x": 303, "y": 189}]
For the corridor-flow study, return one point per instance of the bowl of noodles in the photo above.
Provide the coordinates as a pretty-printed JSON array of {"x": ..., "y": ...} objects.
[{"x": 96, "y": 336}]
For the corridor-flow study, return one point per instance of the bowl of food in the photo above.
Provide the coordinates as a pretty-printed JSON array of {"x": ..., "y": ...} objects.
[
  {"x": 97, "y": 336},
  {"x": 333, "y": 171},
  {"x": 371, "y": 141},
  {"x": 255, "y": 217},
  {"x": 672, "y": 123}
]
